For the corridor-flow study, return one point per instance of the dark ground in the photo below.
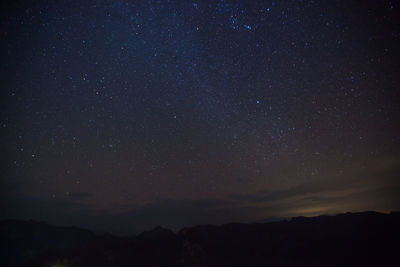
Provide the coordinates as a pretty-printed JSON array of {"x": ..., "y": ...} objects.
[{"x": 351, "y": 239}]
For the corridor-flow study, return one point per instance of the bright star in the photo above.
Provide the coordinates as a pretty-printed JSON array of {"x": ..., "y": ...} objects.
[{"x": 247, "y": 27}]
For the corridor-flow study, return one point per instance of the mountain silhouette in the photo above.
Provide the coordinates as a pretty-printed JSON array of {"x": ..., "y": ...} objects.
[
  {"x": 350, "y": 239},
  {"x": 158, "y": 233}
]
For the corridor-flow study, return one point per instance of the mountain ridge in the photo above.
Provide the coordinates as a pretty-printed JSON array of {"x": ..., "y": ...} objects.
[{"x": 348, "y": 239}]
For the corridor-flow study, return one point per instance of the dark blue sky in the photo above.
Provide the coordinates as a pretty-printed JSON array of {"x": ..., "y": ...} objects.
[{"x": 122, "y": 115}]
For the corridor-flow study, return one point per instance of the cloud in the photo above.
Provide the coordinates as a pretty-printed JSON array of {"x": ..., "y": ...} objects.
[
  {"x": 59, "y": 211},
  {"x": 376, "y": 188},
  {"x": 178, "y": 213}
]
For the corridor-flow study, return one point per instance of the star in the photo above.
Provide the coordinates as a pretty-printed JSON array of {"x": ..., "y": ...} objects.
[{"x": 248, "y": 27}]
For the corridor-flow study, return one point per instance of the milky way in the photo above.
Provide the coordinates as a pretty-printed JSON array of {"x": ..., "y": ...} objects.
[{"x": 129, "y": 114}]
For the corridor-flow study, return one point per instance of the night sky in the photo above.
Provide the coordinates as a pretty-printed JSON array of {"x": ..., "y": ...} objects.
[{"x": 123, "y": 115}]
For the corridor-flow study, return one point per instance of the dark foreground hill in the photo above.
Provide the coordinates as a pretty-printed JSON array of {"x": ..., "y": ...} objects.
[{"x": 351, "y": 239}]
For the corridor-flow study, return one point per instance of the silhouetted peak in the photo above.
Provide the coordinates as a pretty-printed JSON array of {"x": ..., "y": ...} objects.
[
  {"x": 348, "y": 239},
  {"x": 299, "y": 218},
  {"x": 157, "y": 233}
]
